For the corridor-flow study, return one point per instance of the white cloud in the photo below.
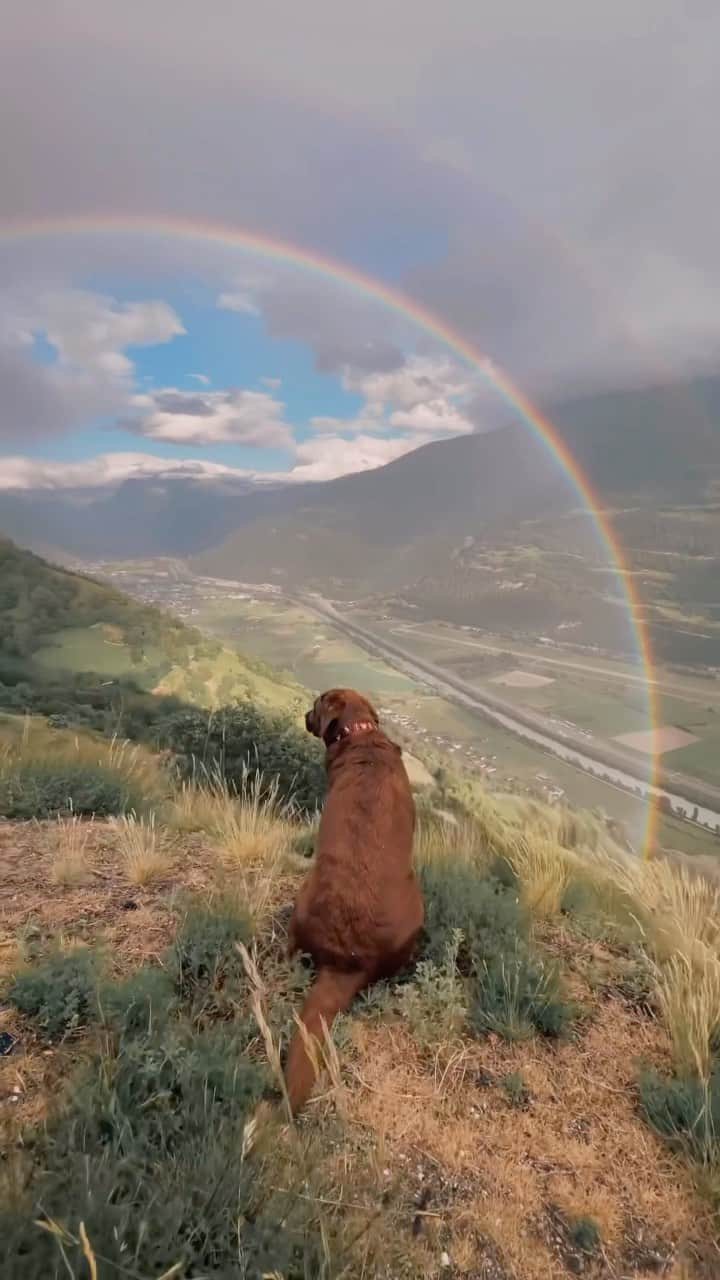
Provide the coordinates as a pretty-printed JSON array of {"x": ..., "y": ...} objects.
[
  {"x": 434, "y": 418},
  {"x": 241, "y": 300},
  {"x": 202, "y": 378},
  {"x": 233, "y": 416},
  {"x": 272, "y": 383},
  {"x": 90, "y": 375},
  {"x": 417, "y": 381},
  {"x": 424, "y": 398},
  {"x": 108, "y": 470},
  {"x": 331, "y": 456}
]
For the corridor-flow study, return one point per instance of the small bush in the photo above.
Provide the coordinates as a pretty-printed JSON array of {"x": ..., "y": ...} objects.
[
  {"x": 516, "y": 1090},
  {"x": 60, "y": 993},
  {"x": 685, "y": 1110},
  {"x": 434, "y": 1004},
  {"x": 44, "y": 790},
  {"x": 516, "y": 995},
  {"x": 141, "y": 1005},
  {"x": 584, "y": 1234},
  {"x": 486, "y": 912},
  {"x": 243, "y": 741},
  {"x": 203, "y": 956},
  {"x": 150, "y": 1157}
]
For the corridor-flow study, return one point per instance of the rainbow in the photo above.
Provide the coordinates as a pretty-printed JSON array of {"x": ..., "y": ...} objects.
[{"x": 238, "y": 239}]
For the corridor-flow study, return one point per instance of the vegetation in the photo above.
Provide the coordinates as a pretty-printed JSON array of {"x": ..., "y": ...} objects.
[{"x": 149, "y": 999}]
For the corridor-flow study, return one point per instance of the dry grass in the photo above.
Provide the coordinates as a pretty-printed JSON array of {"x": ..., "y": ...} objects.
[
  {"x": 143, "y": 846},
  {"x": 68, "y": 840},
  {"x": 544, "y": 871},
  {"x": 440, "y": 837},
  {"x": 414, "y": 1149},
  {"x": 28, "y": 740},
  {"x": 688, "y": 998},
  {"x": 249, "y": 825}
]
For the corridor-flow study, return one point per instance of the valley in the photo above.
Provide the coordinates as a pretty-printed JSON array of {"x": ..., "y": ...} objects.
[{"x": 594, "y": 698}]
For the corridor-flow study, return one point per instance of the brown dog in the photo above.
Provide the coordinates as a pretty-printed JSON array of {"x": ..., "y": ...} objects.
[{"x": 360, "y": 910}]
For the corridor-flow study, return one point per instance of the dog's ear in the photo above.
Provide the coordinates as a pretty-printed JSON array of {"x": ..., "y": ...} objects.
[
  {"x": 325, "y": 717},
  {"x": 332, "y": 707}
]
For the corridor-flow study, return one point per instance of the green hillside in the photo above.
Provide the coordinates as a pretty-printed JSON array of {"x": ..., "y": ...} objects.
[{"x": 61, "y": 631}]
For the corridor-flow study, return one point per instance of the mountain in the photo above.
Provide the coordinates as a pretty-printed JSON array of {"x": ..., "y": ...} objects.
[
  {"x": 141, "y": 516},
  {"x": 487, "y": 529},
  {"x": 61, "y": 630}
]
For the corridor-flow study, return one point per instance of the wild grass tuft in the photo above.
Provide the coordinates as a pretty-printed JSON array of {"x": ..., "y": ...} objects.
[
  {"x": 143, "y": 846},
  {"x": 68, "y": 839},
  {"x": 544, "y": 871},
  {"x": 203, "y": 958},
  {"x": 516, "y": 995},
  {"x": 686, "y": 1111}
]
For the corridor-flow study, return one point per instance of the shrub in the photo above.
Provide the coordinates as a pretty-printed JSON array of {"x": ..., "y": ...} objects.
[
  {"x": 486, "y": 912},
  {"x": 46, "y": 789},
  {"x": 243, "y": 741},
  {"x": 203, "y": 958},
  {"x": 685, "y": 1110},
  {"x": 584, "y": 1234},
  {"x": 516, "y": 995},
  {"x": 434, "y": 1003},
  {"x": 60, "y": 993},
  {"x": 516, "y": 1090},
  {"x": 142, "y": 1004},
  {"x": 150, "y": 1158}
]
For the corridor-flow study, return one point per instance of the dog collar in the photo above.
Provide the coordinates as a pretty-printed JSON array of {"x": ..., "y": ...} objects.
[{"x": 349, "y": 730}]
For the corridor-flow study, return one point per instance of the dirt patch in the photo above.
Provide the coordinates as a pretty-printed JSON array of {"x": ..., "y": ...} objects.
[
  {"x": 522, "y": 680},
  {"x": 665, "y": 738}
]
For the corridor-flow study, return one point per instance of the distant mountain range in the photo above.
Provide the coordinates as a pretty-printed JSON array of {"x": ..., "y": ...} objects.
[{"x": 484, "y": 529}]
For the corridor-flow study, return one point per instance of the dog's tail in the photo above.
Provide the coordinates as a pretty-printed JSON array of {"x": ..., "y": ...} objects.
[{"x": 331, "y": 993}]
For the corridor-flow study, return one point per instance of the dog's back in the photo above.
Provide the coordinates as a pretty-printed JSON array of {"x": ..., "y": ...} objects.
[{"x": 360, "y": 910}]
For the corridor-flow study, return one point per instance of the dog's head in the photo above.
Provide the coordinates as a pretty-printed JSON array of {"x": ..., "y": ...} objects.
[{"x": 337, "y": 711}]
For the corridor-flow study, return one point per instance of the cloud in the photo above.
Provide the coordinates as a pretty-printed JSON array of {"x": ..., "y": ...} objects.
[
  {"x": 419, "y": 380},
  {"x": 109, "y": 470},
  {"x": 434, "y": 418},
  {"x": 545, "y": 187},
  {"x": 87, "y": 373},
  {"x": 202, "y": 378},
  {"x": 424, "y": 397},
  {"x": 241, "y": 301},
  {"x": 347, "y": 333},
  {"x": 211, "y": 417},
  {"x": 331, "y": 456}
]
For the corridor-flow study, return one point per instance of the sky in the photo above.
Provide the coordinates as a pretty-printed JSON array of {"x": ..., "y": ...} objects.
[{"x": 542, "y": 179}]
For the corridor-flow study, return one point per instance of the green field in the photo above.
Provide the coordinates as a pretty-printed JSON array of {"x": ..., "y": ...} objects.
[
  {"x": 290, "y": 639},
  {"x": 98, "y": 649}
]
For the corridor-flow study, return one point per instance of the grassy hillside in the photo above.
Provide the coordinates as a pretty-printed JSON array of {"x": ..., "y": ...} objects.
[
  {"x": 59, "y": 629},
  {"x": 539, "y": 1096}
]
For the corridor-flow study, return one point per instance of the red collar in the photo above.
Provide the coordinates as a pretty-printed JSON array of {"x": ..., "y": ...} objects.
[{"x": 349, "y": 730}]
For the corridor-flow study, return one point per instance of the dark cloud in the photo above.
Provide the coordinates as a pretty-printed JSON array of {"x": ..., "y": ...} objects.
[{"x": 544, "y": 179}]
